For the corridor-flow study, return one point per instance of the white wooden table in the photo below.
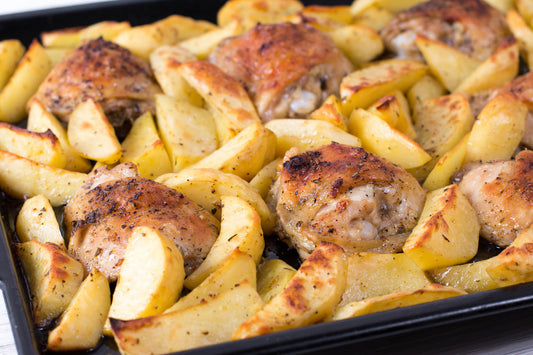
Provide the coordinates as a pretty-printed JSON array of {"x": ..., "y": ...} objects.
[{"x": 7, "y": 343}]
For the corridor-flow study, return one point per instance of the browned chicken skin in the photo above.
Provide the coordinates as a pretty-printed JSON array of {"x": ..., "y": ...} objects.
[
  {"x": 122, "y": 83},
  {"x": 347, "y": 196},
  {"x": 99, "y": 219},
  {"x": 288, "y": 69},
  {"x": 501, "y": 192},
  {"x": 472, "y": 26}
]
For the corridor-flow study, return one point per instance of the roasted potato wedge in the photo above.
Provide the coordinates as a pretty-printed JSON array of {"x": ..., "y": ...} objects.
[
  {"x": 80, "y": 327},
  {"x": 62, "y": 38},
  {"x": 144, "y": 147},
  {"x": 92, "y": 135},
  {"x": 207, "y": 186},
  {"x": 158, "y": 286},
  {"x": 471, "y": 277},
  {"x": 447, "y": 232},
  {"x": 252, "y": 12},
  {"x": 37, "y": 220},
  {"x": 429, "y": 293},
  {"x": 307, "y": 134},
  {"x": 394, "y": 109},
  {"x": 207, "y": 323},
  {"x": 53, "y": 278},
  {"x": 391, "y": 5},
  {"x": 365, "y": 86},
  {"x": 310, "y": 296},
  {"x": 425, "y": 88},
  {"x": 239, "y": 266},
  {"x": 30, "y": 72},
  {"x": 188, "y": 27},
  {"x": 371, "y": 274},
  {"x": 265, "y": 177},
  {"x": 232, "y": 108},
  {"x": 331, "y": 111},
  {"x": 42, "y": 147},
  {"x": 11, "y": 51},
  {"x": 523, "y": 33},
  {"x": 272, "y": 277},
  {"x": 108, "y": 30},
  {"x": 21, "y": 178},
  {"x": 498, "y": 129},
  {"x": 203, "y": 44},
  {"x": 240, "y": 227},
  {"x": 375, "y": 17},
  {"x": 351, "y": 38},
  {"x": 187, "y": 131}
]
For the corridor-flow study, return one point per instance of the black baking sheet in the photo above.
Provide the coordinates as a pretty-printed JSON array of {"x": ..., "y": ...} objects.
[{"x": 491, "y": 322}]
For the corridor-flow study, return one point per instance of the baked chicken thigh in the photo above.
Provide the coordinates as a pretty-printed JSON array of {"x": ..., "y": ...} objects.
[
  {"x": 287, "y": 69},
  {"x": 472, "y": 26},
  {"x": 345, "y": 195},
  {"x": 99, "y": 219}
]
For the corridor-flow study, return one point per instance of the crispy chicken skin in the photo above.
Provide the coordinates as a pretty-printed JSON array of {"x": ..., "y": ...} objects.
[
  {"x": 288, "y": 69},
  {"x": 346, "y": 196},
  {"x": 501, "y": 192},
  {"x": 99, "y": 219},
  {"x": 522, "y": 87},
  {"x": 119, "y": 81},
  {"x": 472, "y": 26}
]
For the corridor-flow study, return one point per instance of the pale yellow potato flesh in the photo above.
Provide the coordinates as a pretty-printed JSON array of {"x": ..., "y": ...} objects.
[
  {"x": 272, "y": 277},
  {"x": 37, "y": 220},
  {"x": 11, "y": 51},
  {"x": 471, "y": 277}
]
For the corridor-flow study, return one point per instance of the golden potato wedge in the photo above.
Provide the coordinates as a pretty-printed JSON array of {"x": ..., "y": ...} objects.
[
  {"x": 80, "y": 327},
  {"x": 108, "y": 30},
  {"x": 525, "y": 9},
  {"x": 225, "y": 97},
  {"x": 351, "y": 38},
  {"x": 307, "y": 134},
  {"x": 207, "y": 186},
  {"x": 240, "y": 227},
  {"x": 91, "y": 134},
  {"x": 158, "y": 286},
  {"x": 447, "y": 232},
  {"x": 429, "y": 293},
  {"x": 165, "y": 61},
  {"x": 375, "y": 17},
  {"x": 53, "y": 278},
  {"x": 265, "y": 177},
  {"x": 272, "y": 277},
  {"x": 40, "y": 120},
  {"x": 392, "y": 5},
  {"x": 207, "y": 323},
  {"x": 144, "y": 147},
  {"x": 523, "y": 33},
  {"x": 251, "y": 12},
  {"x": 57, "y": 54},
  {"x": 340, "y": 13},
  {"x": 371, "y": 274},
  {"x": 37, "y": 220},
  {"x": 394, "y": 109},
  {"x": 144, "y": 39},
  {"x": 203, "y": 44},
  {"x": 188, "y": 27},
  {"x": 441, "y": 123},
  {"x": 30, "y": 72},
  {"x": 448, "y": 64},
  {"x": 331, "y": 111},
  {"x": 62, "y": 38},
  {"x": 425, "y": 88},
  {"x": 11, "y": 51},
  {"x": 239, "y": 266},
  {"x": 187, "y": 131},
  {"x": 243, "y": 155},
  {"x": 514, "y": 265},
  {"x": 450, "y": 163},
  {"x": 498, "y": 69},
  {"x": 365, "y": 86},
  {"x": 310, "y": 296},
  {"x": 497, "y": 130},
  {"x": 378, "y": 137},
  {"x": 471, "y": 277},
  {"x": 21, "y": 178},
  {"x": 42, "y": 147}
]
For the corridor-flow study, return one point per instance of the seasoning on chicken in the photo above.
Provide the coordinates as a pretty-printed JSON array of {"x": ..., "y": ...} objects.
[
  {"x": 345, "y": 195},
  {"x": 287, "y": 69},
  {"x": 99, "y": 219},
  {"x": 472, "y": 26},
  {"x": 119, "y": 81},
  {"x": 501, "y": 192},
  {"x": 522, "y": 87}
]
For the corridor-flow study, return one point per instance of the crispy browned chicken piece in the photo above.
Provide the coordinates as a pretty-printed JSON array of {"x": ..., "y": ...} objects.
[
  {"x": 347, "y": 196},
  {"x": 522, "y": 87},
  {"x": 288, "y": 69},
  {"x": 119, "y": 81},
  {"x": 99, "y": 219},
  {"x": 501, "y": 192},
  {"x": 472, "y": 26}
]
